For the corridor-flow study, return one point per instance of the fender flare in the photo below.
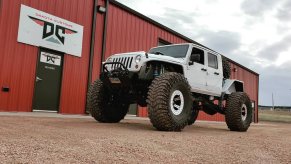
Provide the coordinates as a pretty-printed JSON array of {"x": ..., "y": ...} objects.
[
  {"x": 232, "y": 85},
  {"x": 145, "y": 73}
]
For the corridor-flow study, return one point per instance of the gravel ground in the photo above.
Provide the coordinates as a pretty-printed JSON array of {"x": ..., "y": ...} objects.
[{"x": 27, "y": 139}]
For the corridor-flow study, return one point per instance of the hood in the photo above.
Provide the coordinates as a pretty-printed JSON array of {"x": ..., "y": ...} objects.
[
  {"x": 149, "y": 57},
  {"x": 134, "y": 61}
]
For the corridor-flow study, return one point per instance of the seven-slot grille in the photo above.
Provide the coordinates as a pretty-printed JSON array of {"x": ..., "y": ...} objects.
[{"x": 126, "y": 61}]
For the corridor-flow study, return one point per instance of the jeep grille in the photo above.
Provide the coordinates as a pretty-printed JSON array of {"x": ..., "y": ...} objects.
[{"x": 126, "y": 61}]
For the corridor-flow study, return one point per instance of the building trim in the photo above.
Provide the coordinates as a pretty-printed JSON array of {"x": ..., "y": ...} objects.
[
  {"x": 258, "y": 87},
  {"x": 92, "y": 42},
  {"x": 104, "y": 34}
]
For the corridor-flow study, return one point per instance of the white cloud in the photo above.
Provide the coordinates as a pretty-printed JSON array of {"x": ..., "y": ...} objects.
[{"x": 284, "y": 57}]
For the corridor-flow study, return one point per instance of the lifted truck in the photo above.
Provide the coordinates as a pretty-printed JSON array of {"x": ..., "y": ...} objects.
[{"x": 175, "y": 82}]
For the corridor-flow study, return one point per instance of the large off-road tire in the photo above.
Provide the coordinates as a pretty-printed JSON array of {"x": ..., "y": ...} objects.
[
  {"x": 238, "y": 113},
  {"x": 103, "y": 105},
  {"x": 169, "y": 102},
  {"x": 226, "y": 68},
  {"x": 193, "y": 115}
]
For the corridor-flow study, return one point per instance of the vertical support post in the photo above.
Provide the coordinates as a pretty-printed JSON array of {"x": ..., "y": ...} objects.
[
  {"x": 104, "y": 34},
  {"x": 273, "y": 101},
  {"x": 93, "y": 31}
]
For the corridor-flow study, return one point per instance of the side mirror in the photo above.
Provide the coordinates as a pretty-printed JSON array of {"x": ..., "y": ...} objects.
[{"x": 195, "y": 58}]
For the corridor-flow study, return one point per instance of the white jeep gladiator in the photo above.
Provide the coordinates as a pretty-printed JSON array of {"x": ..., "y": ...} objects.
[{"x": 175, "y": 82}]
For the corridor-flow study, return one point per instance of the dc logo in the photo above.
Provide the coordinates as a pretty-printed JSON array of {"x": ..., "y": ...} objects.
[{"x": 53, "y": 33}]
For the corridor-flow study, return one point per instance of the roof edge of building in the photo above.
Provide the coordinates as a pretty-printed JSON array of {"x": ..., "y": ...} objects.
[{"x": 128, "y": 9}]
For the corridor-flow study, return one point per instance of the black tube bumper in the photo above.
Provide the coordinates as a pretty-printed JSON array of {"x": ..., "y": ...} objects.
[{"x": 118, "y": 77}]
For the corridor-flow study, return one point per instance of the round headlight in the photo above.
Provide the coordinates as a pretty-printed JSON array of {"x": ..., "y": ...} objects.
[
  {"x": 109, "y": 60},
  {"x": 137, "y": 58}
]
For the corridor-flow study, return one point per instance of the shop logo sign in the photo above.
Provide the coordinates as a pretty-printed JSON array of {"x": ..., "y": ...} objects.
[
  {"x": 51, "y": 32},
  {"x": 42, "y": 29},
  {"x": 50, "y": 58}
]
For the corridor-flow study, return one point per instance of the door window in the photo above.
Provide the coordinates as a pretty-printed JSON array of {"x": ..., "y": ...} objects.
[
  {"x": 197, "y": 52},
  {"x": 212, "y": 61}
]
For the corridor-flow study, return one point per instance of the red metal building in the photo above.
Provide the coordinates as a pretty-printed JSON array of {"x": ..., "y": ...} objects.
[{"x": 108, "y": 27}]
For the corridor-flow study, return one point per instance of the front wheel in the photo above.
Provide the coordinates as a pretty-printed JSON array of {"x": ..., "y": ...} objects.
[
  {"x": 238, "y": 113},
  {"x": 104, "y": 105},
  {"x": 169, "y": 102}
]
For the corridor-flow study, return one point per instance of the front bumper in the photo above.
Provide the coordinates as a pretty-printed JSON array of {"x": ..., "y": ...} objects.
[{"x": 119, "y": 77}]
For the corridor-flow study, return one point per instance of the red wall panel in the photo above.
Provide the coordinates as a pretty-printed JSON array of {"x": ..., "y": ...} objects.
[
  {"x": 127, "y": 32},
  {"x": 75, "y": 70},
  {"x": 18, "y": 60}
]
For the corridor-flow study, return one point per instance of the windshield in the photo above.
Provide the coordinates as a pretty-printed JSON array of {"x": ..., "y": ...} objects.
[{"x": 176, "y": 51}]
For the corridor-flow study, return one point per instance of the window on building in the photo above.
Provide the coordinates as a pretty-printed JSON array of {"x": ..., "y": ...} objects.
[
  {"x": 162, "y": 42},
  {"x": 200, "y": 53},
  {"x": 212, "y": 61}
]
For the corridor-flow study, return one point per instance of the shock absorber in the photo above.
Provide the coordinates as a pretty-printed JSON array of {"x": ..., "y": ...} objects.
[
  {"x": 162, "y": 70},
  {"x": 156, "y": 70}
]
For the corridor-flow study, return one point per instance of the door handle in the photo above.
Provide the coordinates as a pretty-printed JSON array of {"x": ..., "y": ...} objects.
[
  {"x": 216, "y": 73},
  {"x": 203, "y": 69},
  {"x": 38, "y": 79}
]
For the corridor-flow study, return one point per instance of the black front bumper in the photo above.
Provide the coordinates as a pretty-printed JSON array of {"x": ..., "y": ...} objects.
[{"x": 118, "y": 76}]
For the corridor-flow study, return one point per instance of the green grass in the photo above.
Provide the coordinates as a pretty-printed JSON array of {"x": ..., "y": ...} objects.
[{"x": 275, "y": 116}]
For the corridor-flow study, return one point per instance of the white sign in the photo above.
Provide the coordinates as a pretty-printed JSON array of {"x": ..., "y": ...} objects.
[
  {"x": 42, "y": 29},
  {"x": 50, "y": 58}
]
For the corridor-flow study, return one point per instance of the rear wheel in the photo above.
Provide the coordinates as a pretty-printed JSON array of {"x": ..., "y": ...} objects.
[
  {"x": 238, "y": 113},
  {"x": 105, "y": 106},
  {"x": 169, "y": 102}
]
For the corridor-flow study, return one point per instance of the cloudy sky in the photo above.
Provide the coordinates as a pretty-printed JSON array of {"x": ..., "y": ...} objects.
[{"x": 255, "y": 33}]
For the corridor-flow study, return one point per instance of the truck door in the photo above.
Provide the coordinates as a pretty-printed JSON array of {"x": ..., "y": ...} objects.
[
  {"x": 214, "y": 74},
  {"x": 196, "y": 71}
]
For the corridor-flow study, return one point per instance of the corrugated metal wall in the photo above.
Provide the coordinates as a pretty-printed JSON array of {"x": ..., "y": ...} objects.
[
  {"x": 75, "y": 76},
  {"x": 125, "y": 32},
  {"x": 18, "y": 61}
]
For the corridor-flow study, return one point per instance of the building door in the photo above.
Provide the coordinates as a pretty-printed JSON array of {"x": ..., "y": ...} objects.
[{"x": 48, "y": 80}]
